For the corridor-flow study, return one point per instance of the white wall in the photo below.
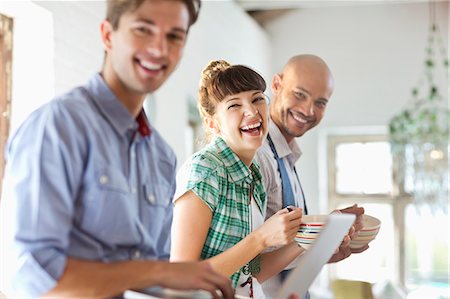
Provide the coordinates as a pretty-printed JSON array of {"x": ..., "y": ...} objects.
[
  {"x": 77, "y": 44},
  {"x": 56, "y": 46},
  {"x": 32, "y": 67},
  {"x": 223, "y": 31},
  {"x": 376, "y": 53},
  {"x": 60, "y": 47}
]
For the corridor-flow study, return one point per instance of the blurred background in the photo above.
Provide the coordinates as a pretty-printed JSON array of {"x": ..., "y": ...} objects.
[{"x": 379, "y": 53}]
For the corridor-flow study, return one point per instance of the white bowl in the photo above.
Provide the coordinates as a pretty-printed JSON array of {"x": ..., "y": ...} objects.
[
  {"x": 370, "y": 223},
  {"x": 314, "y": 220},
  {"x": 309, "y": 229},
  {"x": 304, "y": 243},
  {"x": 371, "y": 227}
]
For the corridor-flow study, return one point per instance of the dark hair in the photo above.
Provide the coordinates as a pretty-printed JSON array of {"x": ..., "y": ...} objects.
[
  {"x": 116, "y": 8},
  {"x": 220, "y": 79}
]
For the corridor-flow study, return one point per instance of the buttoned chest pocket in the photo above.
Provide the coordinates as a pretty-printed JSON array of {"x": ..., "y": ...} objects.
[
  {"x": 159, "y": 194},
  {"x": 157, "y": 208},
  {"x": 108, "y": 210}
]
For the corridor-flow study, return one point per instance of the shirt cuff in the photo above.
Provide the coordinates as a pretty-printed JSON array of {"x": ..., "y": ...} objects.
[{"x": 31, "y": 279}]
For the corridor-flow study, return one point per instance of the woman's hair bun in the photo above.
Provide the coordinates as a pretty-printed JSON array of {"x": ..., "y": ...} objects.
[{"x": 212, "y": 69}]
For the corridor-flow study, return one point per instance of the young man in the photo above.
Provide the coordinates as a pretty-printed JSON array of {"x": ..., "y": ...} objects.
[
  {"x": 88, "y": 186},
  {"x": 301, "y": 93}
]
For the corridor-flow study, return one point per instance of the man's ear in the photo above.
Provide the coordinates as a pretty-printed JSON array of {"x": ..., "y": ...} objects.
[
  {"x": 212, "y": 125},
  {"x": 105, "y": 32},
  {"x": 276, "y": 83}
]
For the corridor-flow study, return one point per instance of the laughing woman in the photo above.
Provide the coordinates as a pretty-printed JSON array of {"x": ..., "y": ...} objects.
[{"x": 220, "y": 201}]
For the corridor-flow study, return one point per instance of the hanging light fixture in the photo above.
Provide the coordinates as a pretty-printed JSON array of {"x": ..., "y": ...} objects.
[{"x": 419, "y": 135}]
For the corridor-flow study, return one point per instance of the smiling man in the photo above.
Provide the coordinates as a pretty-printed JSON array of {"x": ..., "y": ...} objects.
[
  {"x": 301, "y": 94},
  {"x": 89, "y": 181}
]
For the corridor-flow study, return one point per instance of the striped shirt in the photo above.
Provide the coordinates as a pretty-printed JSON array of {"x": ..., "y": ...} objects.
[
  {"x": 224, "y": 183},
  {"x": 290, "y": 153}
]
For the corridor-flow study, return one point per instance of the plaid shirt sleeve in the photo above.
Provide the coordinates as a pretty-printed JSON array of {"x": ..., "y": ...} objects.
[{"x": 204, "y": 181}]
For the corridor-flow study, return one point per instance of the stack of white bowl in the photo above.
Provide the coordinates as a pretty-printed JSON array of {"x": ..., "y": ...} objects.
[
  {"x": 371, "y": 227},
  {"x": 309, "y": 229}
]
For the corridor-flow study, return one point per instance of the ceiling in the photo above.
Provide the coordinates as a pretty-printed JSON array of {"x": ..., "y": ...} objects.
[
  {"x": 265, "y": 10},
  {"x": 252, "y": 5}
]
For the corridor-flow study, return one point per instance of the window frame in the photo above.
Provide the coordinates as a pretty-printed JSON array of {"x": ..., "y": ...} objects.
[
  {"x": 6, "y": 40},
  {"x": 330, "y": 139},
  {"x": 334, "y": 197}
]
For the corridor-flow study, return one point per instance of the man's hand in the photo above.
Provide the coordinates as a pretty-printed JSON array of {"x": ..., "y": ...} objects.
[
  {"x": 197, "y": 275},
  {"x": 358, "y": 212},
  {"x": 107, "y": 280},
  {"x": 357, "y": 226},
  {"x": 344, "y": 250}
]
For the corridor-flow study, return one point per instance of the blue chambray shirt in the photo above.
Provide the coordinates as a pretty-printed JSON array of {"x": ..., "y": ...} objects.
[{"x": 81, "y": 182}]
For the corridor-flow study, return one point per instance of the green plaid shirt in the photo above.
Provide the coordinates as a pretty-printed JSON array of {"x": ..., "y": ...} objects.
[{"x": 223, "y": 182}]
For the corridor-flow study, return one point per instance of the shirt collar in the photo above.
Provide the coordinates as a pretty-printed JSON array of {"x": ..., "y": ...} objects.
[
  {"x": 113, "y": 110},
  {"x": 237, "y": 170},
  {"x": 284, "y": 149}
]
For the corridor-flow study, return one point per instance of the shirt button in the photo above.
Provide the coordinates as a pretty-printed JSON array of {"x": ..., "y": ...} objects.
[
  {"x": 136, "y": 254},
  {"x": 103, "y": 179},
  {"x": 133, "y": 190},
  {"x": 151, "y": 198}
]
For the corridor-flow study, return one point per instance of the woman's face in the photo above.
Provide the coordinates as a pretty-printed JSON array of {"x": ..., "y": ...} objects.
[{"x": 242, "y": 121}]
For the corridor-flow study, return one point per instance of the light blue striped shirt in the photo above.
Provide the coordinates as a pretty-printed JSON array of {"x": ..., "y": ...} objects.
[{"x": 82, "y": 182}]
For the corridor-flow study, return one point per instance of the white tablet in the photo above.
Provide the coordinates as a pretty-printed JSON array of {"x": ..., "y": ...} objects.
[{"x": 312, "y": 261}]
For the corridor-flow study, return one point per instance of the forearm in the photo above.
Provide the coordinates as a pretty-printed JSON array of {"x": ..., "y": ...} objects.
[
  {"x": 101, "y": 280},
  {"x": 232, "y": 259},
  {"x": 274, "y": 262}
]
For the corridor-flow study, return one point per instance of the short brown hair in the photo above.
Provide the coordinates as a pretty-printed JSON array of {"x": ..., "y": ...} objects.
[
  {"x": 220, "y": 79},
  {"x": 116, "y": 8}
]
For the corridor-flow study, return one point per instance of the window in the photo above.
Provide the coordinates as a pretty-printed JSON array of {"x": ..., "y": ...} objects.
[
  {"x": 363, "y": 168},
  {"x": 360, "y": 171},
  {"x": 405, "y": 253},
  {"x": 427, "y": 253}
]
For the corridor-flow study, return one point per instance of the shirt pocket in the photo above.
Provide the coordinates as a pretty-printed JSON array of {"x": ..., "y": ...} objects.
[
  {"x": 157, "y": 211},
  {"x": 158, "y": 194},
  {"x": 109, "y": 212}
]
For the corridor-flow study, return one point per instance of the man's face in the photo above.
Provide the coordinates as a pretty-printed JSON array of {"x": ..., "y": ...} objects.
[
  {"x": 301, "y": 96},
  {"x": 148, "y": 44}
]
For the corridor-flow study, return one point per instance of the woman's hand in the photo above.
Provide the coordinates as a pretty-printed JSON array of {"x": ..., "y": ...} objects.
[{"x": 281, "y": 228}]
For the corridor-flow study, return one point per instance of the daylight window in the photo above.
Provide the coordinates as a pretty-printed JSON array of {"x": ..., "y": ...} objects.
[{"x": 363, "y": 168}]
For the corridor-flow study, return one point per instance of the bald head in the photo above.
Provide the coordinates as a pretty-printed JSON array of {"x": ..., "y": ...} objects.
[
  {"x": 309, "y": 64},
  {"x": 302, "y": 91}
]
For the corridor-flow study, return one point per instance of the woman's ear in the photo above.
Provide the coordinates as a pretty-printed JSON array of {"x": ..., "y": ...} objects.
[{"x": 212, "y": 125}]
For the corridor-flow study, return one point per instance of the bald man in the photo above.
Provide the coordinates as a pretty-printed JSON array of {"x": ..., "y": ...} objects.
[{"x": 301, "y": 94}]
